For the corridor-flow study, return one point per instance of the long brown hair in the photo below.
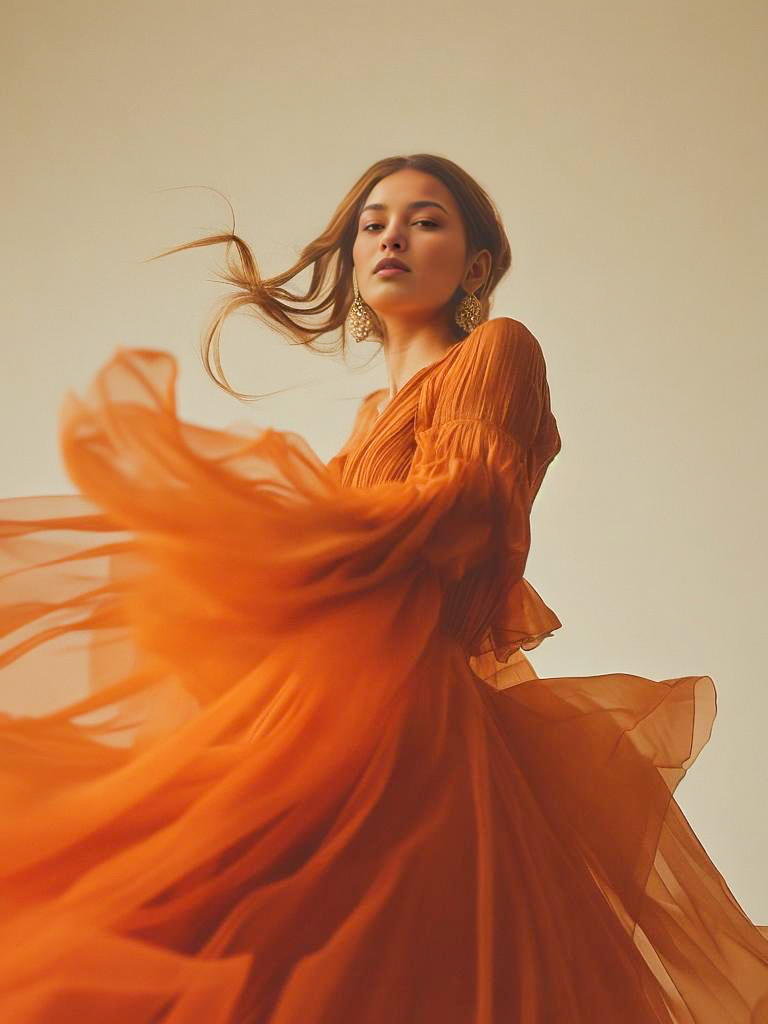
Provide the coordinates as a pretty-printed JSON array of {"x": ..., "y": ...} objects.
[{"x": 329, "y": 295}]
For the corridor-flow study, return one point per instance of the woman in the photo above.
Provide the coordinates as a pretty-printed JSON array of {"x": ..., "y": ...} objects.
[{"x": 311, "y": 776}]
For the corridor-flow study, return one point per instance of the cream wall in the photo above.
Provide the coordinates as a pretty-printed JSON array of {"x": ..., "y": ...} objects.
[{"x": 625, "y": 144}]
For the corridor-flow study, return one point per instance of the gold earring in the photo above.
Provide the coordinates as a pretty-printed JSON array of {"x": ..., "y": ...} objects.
[
  {"x": 469, "y": 313},
  {"x": 359, "y": 321}
]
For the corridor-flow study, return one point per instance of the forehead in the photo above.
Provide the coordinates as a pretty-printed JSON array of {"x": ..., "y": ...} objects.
[{"x": 408, "y": 185}]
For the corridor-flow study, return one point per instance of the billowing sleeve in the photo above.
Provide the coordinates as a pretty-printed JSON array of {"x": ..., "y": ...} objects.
[
  {"x": 485, "y": 428},
  {"x": 475, "y": 426}
]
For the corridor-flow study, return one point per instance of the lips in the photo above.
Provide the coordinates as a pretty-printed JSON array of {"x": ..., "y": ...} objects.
[{"x": 390, "y": 264}]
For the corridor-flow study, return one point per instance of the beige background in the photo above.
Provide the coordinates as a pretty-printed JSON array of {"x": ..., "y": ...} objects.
[{"x": 625, "y": 144}]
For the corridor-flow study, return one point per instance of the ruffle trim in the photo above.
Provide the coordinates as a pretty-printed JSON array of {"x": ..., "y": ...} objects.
[{"x": 522, "y": 622}]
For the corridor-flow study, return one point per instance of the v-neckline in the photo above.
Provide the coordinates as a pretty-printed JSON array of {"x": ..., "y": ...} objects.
[{"x": 378, "y": 415}]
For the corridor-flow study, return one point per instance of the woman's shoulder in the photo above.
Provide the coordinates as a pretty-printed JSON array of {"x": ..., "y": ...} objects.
[
  {"x": 503, "y": 335},
  {"x": 495, "y": 350}
]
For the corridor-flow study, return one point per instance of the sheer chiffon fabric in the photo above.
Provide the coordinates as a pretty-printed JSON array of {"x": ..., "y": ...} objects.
[{"x": 272, "y": 750}]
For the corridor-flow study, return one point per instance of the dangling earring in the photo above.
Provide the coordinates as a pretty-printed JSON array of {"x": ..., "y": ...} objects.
[
  {"x": 469, "y": 313},
  {"x": 359, "y": 321}
]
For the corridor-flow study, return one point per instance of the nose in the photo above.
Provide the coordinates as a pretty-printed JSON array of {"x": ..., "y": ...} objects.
[{"x": 392, "y": 239}]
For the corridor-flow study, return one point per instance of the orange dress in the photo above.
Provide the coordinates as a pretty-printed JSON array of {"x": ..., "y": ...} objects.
[{"x": 272, "y": 751}]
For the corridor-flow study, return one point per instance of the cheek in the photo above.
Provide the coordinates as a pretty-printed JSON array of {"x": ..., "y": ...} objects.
[
  {"x": 360, "y": 246},
  {"x": 446, "y": 257}
]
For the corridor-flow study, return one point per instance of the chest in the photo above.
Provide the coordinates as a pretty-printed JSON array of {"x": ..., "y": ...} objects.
[{"x": 385, "y": 443}]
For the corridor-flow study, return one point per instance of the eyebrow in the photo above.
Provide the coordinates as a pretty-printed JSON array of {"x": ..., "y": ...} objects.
[{"x": 417, "y": 204}]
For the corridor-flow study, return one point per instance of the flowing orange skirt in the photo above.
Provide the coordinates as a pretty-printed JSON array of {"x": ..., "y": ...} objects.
[{"x": 246, "y": 777}]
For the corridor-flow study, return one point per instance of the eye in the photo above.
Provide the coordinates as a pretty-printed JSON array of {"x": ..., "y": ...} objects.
[{"x": 431, "y": 223}]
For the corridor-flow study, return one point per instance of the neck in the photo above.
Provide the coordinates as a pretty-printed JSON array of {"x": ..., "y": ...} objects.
[{"x": 411, "y": 345}]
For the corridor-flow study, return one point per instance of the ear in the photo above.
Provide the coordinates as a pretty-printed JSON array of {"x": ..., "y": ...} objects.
[{"x": 477, "y": 271}]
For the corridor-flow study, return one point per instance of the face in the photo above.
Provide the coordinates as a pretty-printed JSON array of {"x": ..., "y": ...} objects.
[{"x": 411, "y": 216}]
